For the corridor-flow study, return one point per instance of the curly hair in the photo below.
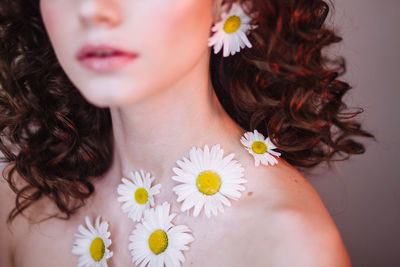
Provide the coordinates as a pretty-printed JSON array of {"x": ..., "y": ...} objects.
[{"x": 284, "y": 87}]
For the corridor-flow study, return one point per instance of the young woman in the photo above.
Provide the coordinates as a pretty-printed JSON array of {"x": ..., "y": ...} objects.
[{"x": 168, "y": 130}]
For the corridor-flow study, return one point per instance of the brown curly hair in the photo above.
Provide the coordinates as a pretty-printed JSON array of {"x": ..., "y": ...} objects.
[{"x": 56, "y": 141}]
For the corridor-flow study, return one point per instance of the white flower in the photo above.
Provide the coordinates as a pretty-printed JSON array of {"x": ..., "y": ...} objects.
[
  {"x": 261, "y": 148},
  {"x": 231, "y": 31},
  {"x": 137, "y": 194},
  {"x": 92, "y": 244},
  {"x": 156, "y": 241},
  {"x": 207, "y": 180}
]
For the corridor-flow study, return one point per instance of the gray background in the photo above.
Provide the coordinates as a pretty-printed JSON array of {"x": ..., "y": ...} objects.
[{"x": 363, "y": 193}]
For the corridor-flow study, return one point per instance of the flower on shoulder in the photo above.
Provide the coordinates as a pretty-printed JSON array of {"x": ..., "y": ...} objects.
[
  {"x": 156, "y": 241},
  {"x": 92, "y": 244},
  {"x": 260, "y": 147},
  {"x": 207, "y": 180}
]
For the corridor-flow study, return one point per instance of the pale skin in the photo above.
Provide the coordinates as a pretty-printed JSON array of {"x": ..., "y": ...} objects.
[{"x": 161, "y": 106}]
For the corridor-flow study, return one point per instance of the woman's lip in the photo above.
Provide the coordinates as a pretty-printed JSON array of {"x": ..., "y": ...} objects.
[
  {"x": 89, "y": 49},
  {"x": 103, "y": 58},
  {"x": 106, "y": 63}
]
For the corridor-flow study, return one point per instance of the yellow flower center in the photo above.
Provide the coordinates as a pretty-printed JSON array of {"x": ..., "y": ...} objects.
[
  {"x": 97, "y": 249},
  {"x": 141, "y": 195},
  {"x": 232, "y": 24},
  {"x": 208, "y": 182},
  {"x": 158, "y": 241},
  {"x": 259, "y": 147}
]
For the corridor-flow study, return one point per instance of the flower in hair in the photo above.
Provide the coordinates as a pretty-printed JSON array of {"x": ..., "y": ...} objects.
[
  {"x": 231, "y": 31},
  {"x": 207, "y": 180},
  {"x": 156, "y": 241},
  {"x": 92, "y": 244},
  {"x": 261, "y": 148},
  {"x": 137, "y": 194}
]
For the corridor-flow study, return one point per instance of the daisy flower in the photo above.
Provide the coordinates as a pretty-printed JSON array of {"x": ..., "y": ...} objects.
[
  {"x": 261, "y": 148},
  {"x": 156, "y": 241},
  {"x": 92, "y": 244},
  {"x": 208, "y": 179},
  {"x": 231, "y": 31},
  {"x": 137, "y": 194}
]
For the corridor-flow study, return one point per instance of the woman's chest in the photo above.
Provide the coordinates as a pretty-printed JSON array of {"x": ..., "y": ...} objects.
[{"x": 225, "y": 240}]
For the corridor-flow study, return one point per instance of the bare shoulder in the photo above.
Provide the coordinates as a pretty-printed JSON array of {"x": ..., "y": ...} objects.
[
  {"x": 19, "y": 228},
  {"x": 293, "y": 226},
  {"x": 7, "y": 200},
  {"x": 17, "y": 238}
]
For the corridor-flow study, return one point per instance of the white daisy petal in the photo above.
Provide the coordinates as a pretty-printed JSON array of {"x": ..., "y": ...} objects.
[
  {"x": 244, "y": 38},
  {"x": 162, "y": 243},
  {"x": 92, "y": 247},
  {"x": 190, "y": 201},
  {"x": 138, "y": 195},
  {"x": 236, "y": 40},
  {"x": 199, "y": 206},
  {"x": 274, "y": 153},
  {"x": 217, "y": 179},
  {"x": 184, "y": 190},
  {"x": 226, "y": 46},
  {"x": 218, "y": 45},
  {"x": 260, "y": 147}
]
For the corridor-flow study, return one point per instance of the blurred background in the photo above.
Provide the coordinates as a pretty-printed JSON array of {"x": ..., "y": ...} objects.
[{"x": 363, "y": 193}]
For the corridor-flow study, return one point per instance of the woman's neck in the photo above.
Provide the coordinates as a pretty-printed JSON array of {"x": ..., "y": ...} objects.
[{"x": 153, "y": 134}]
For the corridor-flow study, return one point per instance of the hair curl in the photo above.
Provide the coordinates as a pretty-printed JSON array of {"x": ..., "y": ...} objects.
[{"x": 56, "y": 141}]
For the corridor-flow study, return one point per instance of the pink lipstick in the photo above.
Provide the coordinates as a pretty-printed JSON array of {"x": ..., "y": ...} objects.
[{"x": 103, "y": 58}]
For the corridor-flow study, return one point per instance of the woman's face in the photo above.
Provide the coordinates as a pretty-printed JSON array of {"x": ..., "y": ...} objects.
[{"x": 169, "y": 37}]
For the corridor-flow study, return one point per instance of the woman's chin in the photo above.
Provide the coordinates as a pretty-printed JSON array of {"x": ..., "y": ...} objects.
[{"x": 112, "y": 98}]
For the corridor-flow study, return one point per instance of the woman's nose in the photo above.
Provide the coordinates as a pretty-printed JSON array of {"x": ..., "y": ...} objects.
[{"x": 97, "y": 12}]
